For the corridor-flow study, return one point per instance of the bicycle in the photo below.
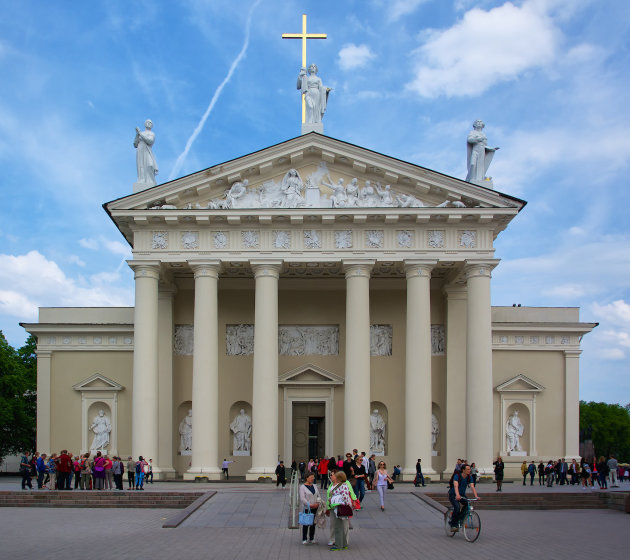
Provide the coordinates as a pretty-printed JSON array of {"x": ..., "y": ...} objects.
[{"x": 471, "y": 522}]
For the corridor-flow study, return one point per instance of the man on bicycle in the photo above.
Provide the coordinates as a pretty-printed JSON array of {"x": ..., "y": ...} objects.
[{"x": 460, "y": 481}]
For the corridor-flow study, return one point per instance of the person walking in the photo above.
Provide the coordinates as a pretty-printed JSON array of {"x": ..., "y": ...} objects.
[
  {"x": 339, "y": 498},
  {"x": 419, "y": 476},
  {"x": 531, "y": 470},
  {"x": 371, "y": 471},
  {"x": 224, "y": 467},
  {"x": 382, "y": 478},
  {"x": 360, "y": 475},
  {"x": 541, "y": 474},
  {"x": 524, "y": 472},
  {"x": 499, "y": 467},
  {"x": 612, "y": 465},
  {"x": 25, "y": 470},
  {"x": 281, "y": 474},
  {"x": 309, "y": 502},
  {"x": 474, "y": 472},
  {"x": 603, "y": 471}
]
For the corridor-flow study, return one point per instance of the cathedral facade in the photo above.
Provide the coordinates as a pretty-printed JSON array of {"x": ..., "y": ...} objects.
[{"x": 305, "y": 300}]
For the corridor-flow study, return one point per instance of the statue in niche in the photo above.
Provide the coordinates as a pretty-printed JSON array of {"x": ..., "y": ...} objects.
[
  {"x": 145, "y": 160},
  {"x": 292, "y": 187},
  {"x": 377, "y": 433},
  {"x": 479, "y": 155},
  {"x": 514, "y": 431},
  {"x": 101, "y": 428},
  {"x": 241, "y": 427},
  {"x": 185, "y": 435},
  {"x": 315, "y": 93},
  {"x": 435, "y": 430}
]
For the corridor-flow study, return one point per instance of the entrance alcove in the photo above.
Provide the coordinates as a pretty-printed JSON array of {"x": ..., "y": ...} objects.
[
  {"x": 308, "y": 402},
  {"x": 93, "y": 412},
  {"x": 382, "y": 410},
  {"x": 182, "y": 461}
]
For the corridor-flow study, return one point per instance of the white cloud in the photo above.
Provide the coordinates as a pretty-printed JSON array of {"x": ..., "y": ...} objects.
[
  {"x": 398, "y": 8},
  {"x": 617, "y": 312},
  {"x": 31, "y": 280},
  {"x": 485, "y": 48},
  {"x": 76, "y": 260},
  {"x": 354, "y": 56},
  {"x": 115, "y": 247},
  {"x": 89, "y": 243}
]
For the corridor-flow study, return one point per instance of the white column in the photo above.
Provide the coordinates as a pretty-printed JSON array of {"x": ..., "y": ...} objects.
[
  {"x": 357, "y": 374},
  {"x": 572, "y": 404},
  {"x": 144, "y": 419},
  {"x": 265, "y": 385},
  {"x": 454, "y": 438},
  {"x": 44, "y": 358},
  {"x": 205, "y": 382},
  {"x": 479, "y": 438},
  {"x": 163, "y": 463},
  {"x": 418, "y": 397}
]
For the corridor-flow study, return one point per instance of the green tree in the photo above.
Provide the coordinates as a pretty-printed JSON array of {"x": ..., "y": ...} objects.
[
  {"x": 18, "y": 398},
  {"x": 611, "y": 428}
]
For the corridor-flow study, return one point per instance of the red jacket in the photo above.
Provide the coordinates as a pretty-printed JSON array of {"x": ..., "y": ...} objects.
[{"x": 65, "y": 463}]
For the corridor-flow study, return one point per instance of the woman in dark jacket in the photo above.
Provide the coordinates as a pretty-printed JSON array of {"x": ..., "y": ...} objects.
[
  {"x": 499, "y": 467},
  {"x": 602, "y": 471}
]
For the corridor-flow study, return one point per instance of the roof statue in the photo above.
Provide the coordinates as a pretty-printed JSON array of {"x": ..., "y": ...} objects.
[
  {"x": 314, "y": 94},
  {"x": 145, "y": 160},
  {"x": 479, "y": 156}
]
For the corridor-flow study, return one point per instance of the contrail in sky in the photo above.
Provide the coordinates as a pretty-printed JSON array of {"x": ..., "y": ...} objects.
[{"x": 215, "y": 97}]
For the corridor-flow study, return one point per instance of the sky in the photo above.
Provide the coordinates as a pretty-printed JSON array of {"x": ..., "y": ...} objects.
[{"x": 548, "y": 77}]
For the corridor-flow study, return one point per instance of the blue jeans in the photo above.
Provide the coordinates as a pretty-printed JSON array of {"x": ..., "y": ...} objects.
[
  {"x": 459, "y": 510},
  {"x": 360, "y": 489},
  {"x": 139, "y": 479}
]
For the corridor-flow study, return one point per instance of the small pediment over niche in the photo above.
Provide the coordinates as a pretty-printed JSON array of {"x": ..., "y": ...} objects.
[
  {"x": 309, "y": 374},
  {"x": 520, "y": 383},
  {"x": 98, "y": 382}
]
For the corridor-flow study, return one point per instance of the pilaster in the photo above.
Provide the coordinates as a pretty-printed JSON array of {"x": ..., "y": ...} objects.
[
  {"x": 572, "y": 404},
  {"x": 44, "y": 362}
]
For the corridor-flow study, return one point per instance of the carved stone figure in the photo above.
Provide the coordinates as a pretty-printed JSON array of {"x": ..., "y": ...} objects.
[
  {"x": 405, "y": 239},
  {"x": 467, "y": 239},
  {"x": 377, "y": 433},
  {"x": 339, "y": 197},
  {"x": 435, "y": 430},
  {"x": 385, "y": 194},
  {"x": 160, "y": 240},
  {"x": 514, "y": 431},
  {"x": 184, "y": 340},
  {"x": 315, "y": 93},
  {"x": 292, "y": 187},
  {"x": 282, "y": 239},
  {"x": 241, "y": 427},
  {"x": 343, "y": 239},
  {"x": 296, "y": 340},
  {"x": 145, "y": 160},
  {"x": 479, "y": 155},
  {"x": 101, "y": 428},
  {"x": 185, "y": 435},
  {"x": 352, "y": 193},
  {"x": 236, "y": 192},
  {"x": 367, "y": 196},
  {"x": 407, "y": 201},
  {"x": 380, "y": 340},
  {"x": 437, "y": 340}
]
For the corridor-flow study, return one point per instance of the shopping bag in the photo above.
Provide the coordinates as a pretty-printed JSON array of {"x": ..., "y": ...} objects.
[{"x": 307, "y": 517}]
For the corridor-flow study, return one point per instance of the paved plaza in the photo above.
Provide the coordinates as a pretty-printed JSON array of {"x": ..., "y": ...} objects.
[{"x": 245, "y": 521}]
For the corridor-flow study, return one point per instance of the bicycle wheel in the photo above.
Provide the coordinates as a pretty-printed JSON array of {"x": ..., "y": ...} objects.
[
  {"x": 447, "y": 522},
  {"x": 472, "y": 526}
]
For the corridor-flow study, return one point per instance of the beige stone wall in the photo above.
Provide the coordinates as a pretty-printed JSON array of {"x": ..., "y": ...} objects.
[{"x": 70, "y": 368}]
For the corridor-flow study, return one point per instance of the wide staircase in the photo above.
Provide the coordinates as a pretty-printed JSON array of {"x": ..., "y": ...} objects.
[
  {"x": 541, "y": 500},
  {"x": 97, "y": 499}
]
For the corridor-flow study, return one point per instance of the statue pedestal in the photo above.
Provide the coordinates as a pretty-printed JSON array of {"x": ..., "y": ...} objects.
[
  {"x": 434, "y": 453},
  {"x": 312, "y": 127},
  {"x": 312, "y": 196},
  {"x": 517, "y": 453},
  {"x": 137, "y": 187},
  {"x": 186, "y": 452},
  {"x": 236, "y": 453}
]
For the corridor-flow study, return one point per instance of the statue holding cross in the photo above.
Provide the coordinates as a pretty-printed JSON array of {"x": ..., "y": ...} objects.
[{"x": 314, "y": 93}]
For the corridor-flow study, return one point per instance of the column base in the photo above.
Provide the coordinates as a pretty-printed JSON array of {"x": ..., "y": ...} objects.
[
  {"x": 262, "y": 474},
  {"x": 409, "y": 475},
  {"x": 211, "y": 473},
  {"x": 164, "y": 473}
]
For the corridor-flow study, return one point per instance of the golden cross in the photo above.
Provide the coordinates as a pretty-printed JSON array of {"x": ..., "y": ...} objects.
[{"x": 304, "y": 36}]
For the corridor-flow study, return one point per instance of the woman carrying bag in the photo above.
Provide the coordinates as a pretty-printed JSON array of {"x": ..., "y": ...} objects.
[
  {"x": 309, "y": 500},
  {"x": 340, "y": 506}
]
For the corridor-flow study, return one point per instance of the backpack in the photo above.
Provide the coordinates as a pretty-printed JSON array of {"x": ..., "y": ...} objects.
[{"x": 139, "y": 467}]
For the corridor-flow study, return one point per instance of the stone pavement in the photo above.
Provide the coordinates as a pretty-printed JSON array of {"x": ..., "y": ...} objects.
[{"x": 254, "y": 526}]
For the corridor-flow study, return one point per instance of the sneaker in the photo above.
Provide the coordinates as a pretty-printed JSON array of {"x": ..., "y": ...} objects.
[
  {"x": 454, "y": 530},
  {"x": 335, "y": 548},
  {"x": 304, "y": 542},
  {"x": 331, "y": 543},
  {"x": 311, "y": 542}
]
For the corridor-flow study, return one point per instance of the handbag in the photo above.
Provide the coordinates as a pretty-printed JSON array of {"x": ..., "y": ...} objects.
[
  {"x": 356, "y": 504},
  {"x": 344, "y": 510},
  {"x": 390, "y": 485},
  {"x": 306, "y": 518}
]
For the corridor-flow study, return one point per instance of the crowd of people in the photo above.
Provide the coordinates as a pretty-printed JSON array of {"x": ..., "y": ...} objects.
[
  {"x": 66, "y": 471},
  {"x": 345, "y": 483}
]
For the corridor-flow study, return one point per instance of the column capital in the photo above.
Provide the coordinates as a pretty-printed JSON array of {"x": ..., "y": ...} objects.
[
  {"x": 455, "y": 291},
  {"x": 205, "y": 267},
  {"x": 419, "y": 267},
  {"x": 572, "y": 353},
  {"x": 269, "y": 268},
  {"x": 358, "y": 267},
  {"x": 43, "y": 353},
  {"x": 145, "y": 269},
  {"x": 482, "y": 267}
]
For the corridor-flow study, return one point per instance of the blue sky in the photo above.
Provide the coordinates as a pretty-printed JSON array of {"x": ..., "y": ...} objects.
[{"x": 549, "y": 77}]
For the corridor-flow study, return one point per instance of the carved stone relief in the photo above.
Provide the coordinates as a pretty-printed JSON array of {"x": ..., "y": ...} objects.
[
  {"x": 519, "y": 339},
  {"x": 282, "y": 239},
  {"x": 381, "y": 340},
  {"x": 467, "y": 239},
  {"x": 160, "y": 240},
  {"x": 183, "y": 340},
  {"x": 438, "y": 343},
  {"x": 435, "y": 238},
  {"x": 564, "y": 340},
  {"x": 190, "y": 240},
  {"x": 533, "y": 340},
  {"x": 405, "y": 239},
  {"x": 343, "y": 239},
  {"x": 220, "y": 240},
  {"x": 312, "y": 239},
  {"x": 251, "y": 239},
  {"x": 374, "y": 239},
  {"x": 239, "y": 340},
  {"x": 550, "y": 340},
  {"x": 302, "y": 340}
]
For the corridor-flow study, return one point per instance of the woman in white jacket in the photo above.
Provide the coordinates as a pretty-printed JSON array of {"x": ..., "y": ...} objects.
[{"x": 309, "y": 496}]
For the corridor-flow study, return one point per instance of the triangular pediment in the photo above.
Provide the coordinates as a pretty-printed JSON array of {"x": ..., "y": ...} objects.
[
  {"x": 98, "y": 382},
  {"x": 520, "y": 383},
  {"x": 323, "y": 164},
  {"x": 309, "y": 374}
]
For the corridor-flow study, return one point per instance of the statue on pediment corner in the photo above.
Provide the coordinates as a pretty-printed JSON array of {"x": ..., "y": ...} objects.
[
  {"x": 479, "y": 156},
  {"x": 145, "y": 160}
]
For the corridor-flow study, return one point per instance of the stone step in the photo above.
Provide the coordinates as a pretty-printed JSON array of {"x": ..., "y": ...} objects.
[{"x": 532, "y": 501}]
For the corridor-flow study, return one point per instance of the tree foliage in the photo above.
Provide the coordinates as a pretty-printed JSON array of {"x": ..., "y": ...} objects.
[
  {"x": 18, "y": 399},
  {"x": 611, "y": 428}
]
